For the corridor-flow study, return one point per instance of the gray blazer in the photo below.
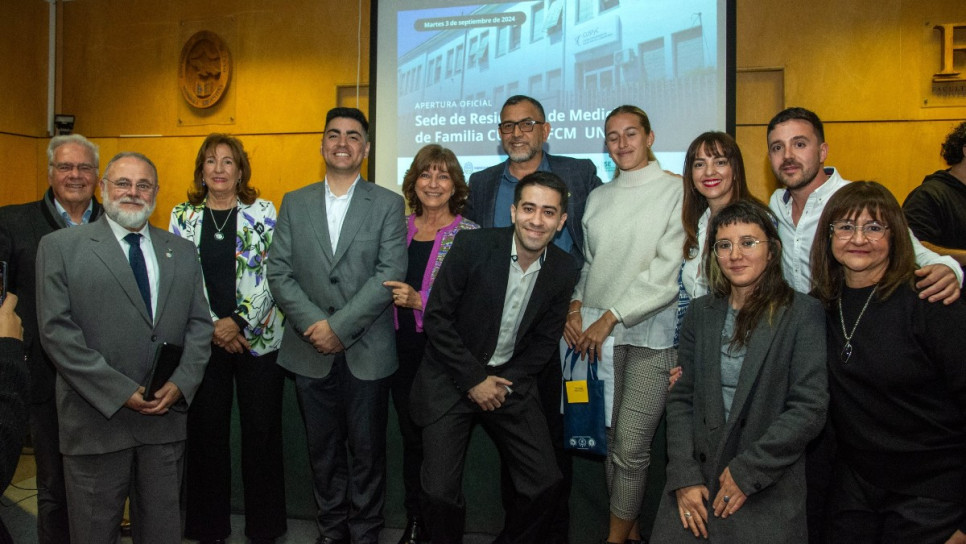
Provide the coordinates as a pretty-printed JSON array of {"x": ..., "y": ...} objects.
[
  {"x": 95, "y": 328},
  {"x": 779, "y": 406},
  {"x": 311, "y": 283}
]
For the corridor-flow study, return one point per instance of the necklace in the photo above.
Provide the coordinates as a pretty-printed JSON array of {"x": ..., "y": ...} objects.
[
  {"x": 218, "y": 234},
  {"x": 847, "y": 350}
]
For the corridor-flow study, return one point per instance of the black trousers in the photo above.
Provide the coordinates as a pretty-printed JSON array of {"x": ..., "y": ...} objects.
[
  {"x": 862, "y": 513},
  {"x": 519, "y": 430},
  {"x": 259, "y": 383},
  {"x": 410, "y": 352},
  {"x": 549, "y": 387},
  {"x": 52, "y": 522},
  {"x": 345, "y": 415}
]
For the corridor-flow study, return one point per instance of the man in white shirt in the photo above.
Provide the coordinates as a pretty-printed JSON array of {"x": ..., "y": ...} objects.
[
  {"x": 494, "y": 317},
  {"x": 336, "y": 242},
  {"x": 797, "y": 151}
]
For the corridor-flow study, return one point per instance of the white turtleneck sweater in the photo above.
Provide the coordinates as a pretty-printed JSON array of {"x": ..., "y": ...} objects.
[{"x": 633, "y": 236}]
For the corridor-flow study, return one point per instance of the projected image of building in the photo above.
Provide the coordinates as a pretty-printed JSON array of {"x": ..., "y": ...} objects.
[{"x": 580, "y": 58}]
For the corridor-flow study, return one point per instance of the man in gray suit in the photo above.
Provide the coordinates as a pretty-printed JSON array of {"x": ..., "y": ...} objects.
[
  {"x": 336, "y": 242},
  {"x": 104, "y": 307}
]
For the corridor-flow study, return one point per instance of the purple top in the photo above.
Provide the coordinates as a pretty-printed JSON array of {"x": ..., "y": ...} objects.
[{"x": 444, "y": 241}]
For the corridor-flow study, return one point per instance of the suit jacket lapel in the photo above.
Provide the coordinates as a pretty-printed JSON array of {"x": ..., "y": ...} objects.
[
  {"x": 166, "y": 264},
  {"x": 108, "y": 250},
  {"x": 758, "y": 346},
  {"x": 541, "y": 287},
  {"x": 320, "y": 223},
  {"x": 710, "y": 354},
  {"x": 489, "y": 191},
  {"x": 355, "y": 216}
]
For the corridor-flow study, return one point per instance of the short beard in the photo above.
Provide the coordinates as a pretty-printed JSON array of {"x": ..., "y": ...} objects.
[
  {"x": 807, "y": 178},
  {"x": 128, "y": 220},
  {"x": 522, "y": 156}
]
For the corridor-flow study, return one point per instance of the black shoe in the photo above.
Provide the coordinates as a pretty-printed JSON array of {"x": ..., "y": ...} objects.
[
  {"x": 414, "y": 533},
  {"x": 328, "y": 540},
  {"x": 215, "y": 541},
  {"x": 261, "y": 541}
]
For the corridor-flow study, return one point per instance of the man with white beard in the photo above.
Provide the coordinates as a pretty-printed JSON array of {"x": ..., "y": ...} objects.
[{"x": 109, "y": 294}]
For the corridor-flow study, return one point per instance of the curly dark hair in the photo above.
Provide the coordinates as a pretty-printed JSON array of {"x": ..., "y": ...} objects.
[
  {"x": 952, "y": 150},
  {"x": 444, "y": 159}
]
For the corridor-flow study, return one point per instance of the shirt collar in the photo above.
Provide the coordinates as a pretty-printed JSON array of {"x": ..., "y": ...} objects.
[
  {"x": 514, "y": 257},
  {"x": 120, "y": 232},
  {"x": 818, "y": 192},
  {"x": 70, "y": 222},
  {"x": 347, "y": 195},
  {"x": 507, "y": 176}
]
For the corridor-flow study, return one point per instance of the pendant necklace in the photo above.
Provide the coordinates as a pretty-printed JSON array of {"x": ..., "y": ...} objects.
[
  {"x": 847, "y": 350},
  {"x": 218, "y": 234}
]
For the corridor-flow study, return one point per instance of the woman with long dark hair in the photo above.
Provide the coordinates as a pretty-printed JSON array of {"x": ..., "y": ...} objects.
[{"x": 753, "y": 393}]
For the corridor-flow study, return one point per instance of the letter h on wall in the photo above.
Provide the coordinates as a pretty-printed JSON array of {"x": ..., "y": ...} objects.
[{"x": 949, "y": 47}]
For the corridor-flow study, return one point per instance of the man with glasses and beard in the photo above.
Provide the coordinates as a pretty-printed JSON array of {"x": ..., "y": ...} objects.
[{"x": 108, "y": 295}]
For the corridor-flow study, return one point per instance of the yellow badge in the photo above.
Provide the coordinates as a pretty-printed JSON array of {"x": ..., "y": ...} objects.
[{"x": 577, "y": 392}]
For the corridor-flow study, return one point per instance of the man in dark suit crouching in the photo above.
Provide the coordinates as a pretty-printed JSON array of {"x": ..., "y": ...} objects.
[{"x": 493, "y": 319}]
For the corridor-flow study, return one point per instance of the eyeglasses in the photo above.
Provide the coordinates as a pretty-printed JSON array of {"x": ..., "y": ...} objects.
[
  {"x": 67, "y": 167},
  {"x": 845, "y": 230},
  {"x": 745, "y": 245},
  {"x": 125, "y": 185},
  {"x": 525, "y": 126}
]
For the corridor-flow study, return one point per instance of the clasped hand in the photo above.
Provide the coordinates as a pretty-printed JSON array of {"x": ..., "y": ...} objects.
[
  {"x": 588, "y": 342},
  {"x": 691, "y": 503},
  {"x": 229, "y": 337},
  {"x": 323, "y": 338},
  {"x": 164, "y": 398},
  {"x": 491, "y": 393}
]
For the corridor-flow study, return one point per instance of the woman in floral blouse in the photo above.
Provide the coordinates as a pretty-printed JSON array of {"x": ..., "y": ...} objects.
[{"x": 233, "y": 229}]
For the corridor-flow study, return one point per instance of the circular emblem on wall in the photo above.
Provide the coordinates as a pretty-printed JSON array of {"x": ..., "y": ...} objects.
[{"x": 205, "y": 69}]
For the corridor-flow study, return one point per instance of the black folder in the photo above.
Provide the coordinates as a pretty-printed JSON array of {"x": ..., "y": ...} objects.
[{"x": 166, "y": 359}]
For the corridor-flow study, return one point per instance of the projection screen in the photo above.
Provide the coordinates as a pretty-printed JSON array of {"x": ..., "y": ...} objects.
[{"x": 442, "y": 69}]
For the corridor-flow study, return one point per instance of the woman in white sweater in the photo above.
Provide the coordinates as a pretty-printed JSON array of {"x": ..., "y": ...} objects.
[{"x": 628, "y": 289}]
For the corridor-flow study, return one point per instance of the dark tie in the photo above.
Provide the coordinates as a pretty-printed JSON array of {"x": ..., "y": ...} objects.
[{"x": 136, "y": 257}]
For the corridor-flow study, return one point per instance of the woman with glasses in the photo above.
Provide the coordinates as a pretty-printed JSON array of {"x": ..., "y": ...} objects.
[
  {"x": 753, "y": 393},
  {"x": 896, "y": 377},
  {"x": 233, "y": 230},
  {"x": 628, "y": 289}
]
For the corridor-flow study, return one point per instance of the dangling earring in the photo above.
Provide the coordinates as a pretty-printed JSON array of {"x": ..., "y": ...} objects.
[{"x": 203, "y": 184}]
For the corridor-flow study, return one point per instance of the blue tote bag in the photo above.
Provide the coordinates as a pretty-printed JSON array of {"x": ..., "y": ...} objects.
[{"x": 584, "y": 427}]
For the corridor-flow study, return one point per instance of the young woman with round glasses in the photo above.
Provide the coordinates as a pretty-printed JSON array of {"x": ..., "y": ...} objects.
[{"x": 753, "y": 393}]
